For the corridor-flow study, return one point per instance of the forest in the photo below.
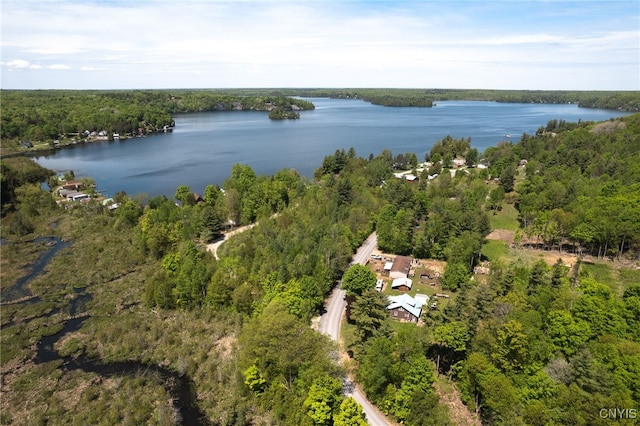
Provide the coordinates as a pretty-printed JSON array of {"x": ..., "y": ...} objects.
[{"x": 136, "y": 321}]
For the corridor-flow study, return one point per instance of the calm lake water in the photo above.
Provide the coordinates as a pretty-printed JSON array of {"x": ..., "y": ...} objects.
[{"x": 204, "y": 146}]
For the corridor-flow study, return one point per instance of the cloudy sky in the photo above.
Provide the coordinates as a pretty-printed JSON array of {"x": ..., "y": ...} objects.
[{"x": 125, "y": 44}]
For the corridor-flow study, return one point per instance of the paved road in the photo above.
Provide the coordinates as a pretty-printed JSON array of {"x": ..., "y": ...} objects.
[{"x": 330, "y": 325}]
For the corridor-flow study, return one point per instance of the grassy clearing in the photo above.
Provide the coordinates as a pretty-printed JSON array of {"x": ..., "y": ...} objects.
[
  {"x": 629, "y": 276},
  {"x": 598, "y": 271},
  {"x": 618, "y": 279},
  {"x": 495, "y": 250},
  {"x": 507, "y": 218}
]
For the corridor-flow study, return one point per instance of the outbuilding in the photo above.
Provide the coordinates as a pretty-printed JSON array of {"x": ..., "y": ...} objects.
[{"x": 402, "y": 284}]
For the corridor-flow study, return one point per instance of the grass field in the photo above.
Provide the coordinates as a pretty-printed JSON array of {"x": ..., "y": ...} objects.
[
  {"x": 507, "y": 218},
  {"x": 495, "y": 250},
  {"x": 618, "y": 279}
]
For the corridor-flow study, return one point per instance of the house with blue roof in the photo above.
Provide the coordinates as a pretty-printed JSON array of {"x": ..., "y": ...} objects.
[{"x": 406, "y": 308}]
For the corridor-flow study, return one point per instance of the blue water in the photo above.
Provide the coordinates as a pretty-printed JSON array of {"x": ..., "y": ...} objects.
[
  {"x": 19, "y": 289},
  {"x": 204, "y": 146}
]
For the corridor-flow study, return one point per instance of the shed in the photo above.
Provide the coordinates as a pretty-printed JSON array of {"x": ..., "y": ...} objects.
[{"x": 402, "y": 284}]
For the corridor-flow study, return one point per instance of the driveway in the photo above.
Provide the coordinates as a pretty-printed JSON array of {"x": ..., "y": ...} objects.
[{"x": 213, "y": 247}]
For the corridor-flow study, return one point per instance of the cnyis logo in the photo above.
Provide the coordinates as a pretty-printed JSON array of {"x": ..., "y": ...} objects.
[{"x": 618, "y": 413}]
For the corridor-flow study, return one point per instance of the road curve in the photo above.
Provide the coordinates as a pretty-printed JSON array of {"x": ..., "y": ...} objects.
[
  {"x": 213, "y": 247},
  {"x": 330, "y": 325}
]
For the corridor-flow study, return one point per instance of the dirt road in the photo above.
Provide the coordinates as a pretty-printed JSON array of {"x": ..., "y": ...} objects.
[{"x": 213, "y": 247}]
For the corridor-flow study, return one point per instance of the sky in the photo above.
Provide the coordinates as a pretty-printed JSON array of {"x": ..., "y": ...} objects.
[{"x": 138, "y": 44}]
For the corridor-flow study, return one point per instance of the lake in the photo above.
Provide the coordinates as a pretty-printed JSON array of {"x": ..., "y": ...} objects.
[{"x": 204, "y": 146}]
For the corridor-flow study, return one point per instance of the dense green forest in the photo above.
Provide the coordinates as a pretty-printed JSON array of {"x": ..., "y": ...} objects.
[{"x": 150, "y": 321}]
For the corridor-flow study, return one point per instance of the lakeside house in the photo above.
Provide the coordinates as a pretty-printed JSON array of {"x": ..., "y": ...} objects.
[
  {"x": 198, "y": 198},
  {"x": 72, "y": 185}
]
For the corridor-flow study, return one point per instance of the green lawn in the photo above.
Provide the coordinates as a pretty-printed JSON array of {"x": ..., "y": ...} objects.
[
  {"x": 507, "y": 218},
  {"x": 617, "y": 279},
  {"x": 495, "y": 250},
  {"x": 598, "y": 271}
]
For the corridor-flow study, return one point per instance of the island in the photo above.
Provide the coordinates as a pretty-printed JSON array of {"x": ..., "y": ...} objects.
[{"x": 280, "y": 113}]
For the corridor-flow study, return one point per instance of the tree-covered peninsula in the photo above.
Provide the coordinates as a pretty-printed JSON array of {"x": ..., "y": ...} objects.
[
  {"x": 53, "y": 118},
  {"x": 528, "y": 254}
]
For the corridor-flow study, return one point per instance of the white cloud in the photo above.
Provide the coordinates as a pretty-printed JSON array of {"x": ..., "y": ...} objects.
[
  {"x": 22, "y": 64},
  {"x": 18, "y": 63},
  {"x": 251, "y": 43},
  {"x": 59, "y": 67},
  {"x": 91, "y": 68}
]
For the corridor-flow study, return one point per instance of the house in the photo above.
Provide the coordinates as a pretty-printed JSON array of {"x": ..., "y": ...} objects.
[
  {"x": 400, "y": 268},
  {"x": 72, "y": 185},
  {"x": 64, "y": 193},
  {"x": 458, "y": 162},
  {"x": 401, "y": 284},
  {"x": 404, "y": 308},
  {"x": 407, "y": 176},
  {"x": 198, "y": 198}
]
